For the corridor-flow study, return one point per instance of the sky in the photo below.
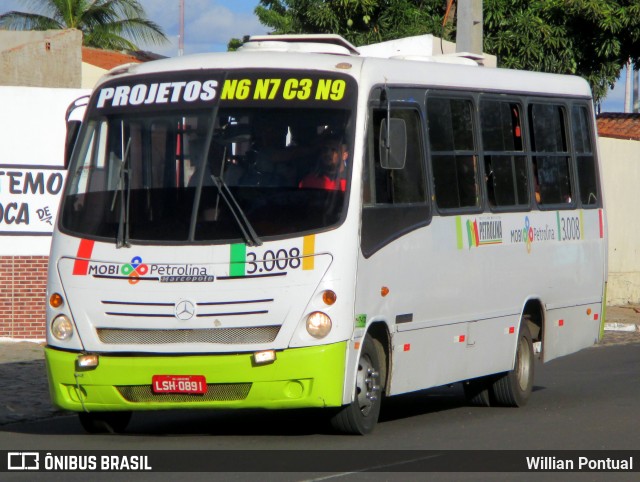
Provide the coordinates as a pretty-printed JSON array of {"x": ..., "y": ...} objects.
[{"x": 210, "y": 24}]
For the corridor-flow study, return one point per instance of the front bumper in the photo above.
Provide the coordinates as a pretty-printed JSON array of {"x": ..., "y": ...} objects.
[{"x": 300, "y": 377}]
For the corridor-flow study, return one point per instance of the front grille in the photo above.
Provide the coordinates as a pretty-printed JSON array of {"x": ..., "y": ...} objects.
[
  {"x": 203, "y": 309},
  {"x": 225, "y": 336},
  {"x": 216, "y": 392}
]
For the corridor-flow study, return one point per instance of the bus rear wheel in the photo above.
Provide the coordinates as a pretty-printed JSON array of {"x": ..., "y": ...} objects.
[
  {"x": 104, "y": 422},
  {"x": 512, "y": 389},
  {"x": 361, "y": 415}
]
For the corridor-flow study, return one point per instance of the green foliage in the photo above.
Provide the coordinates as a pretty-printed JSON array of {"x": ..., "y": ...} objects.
[
  {"x": 359, "y": 21},
  {"x": 234, "y": 44},
  {"x": 590, "y": 38},
  {"x": 106, "y": 24}
]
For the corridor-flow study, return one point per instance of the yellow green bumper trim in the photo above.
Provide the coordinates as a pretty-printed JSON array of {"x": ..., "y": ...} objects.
[{"x": 299, "y": 377}]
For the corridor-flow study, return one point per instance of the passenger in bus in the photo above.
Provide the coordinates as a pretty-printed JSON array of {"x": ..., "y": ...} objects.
[
  {"x": 536, "y": 181},
  {"x": 330, "y": 169}
]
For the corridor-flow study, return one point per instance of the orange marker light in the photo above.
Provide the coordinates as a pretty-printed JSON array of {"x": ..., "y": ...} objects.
[
  {"x": 384, "y": 291},
  {"x": 55, "y": 300},
  {"x": 588, "y": 311},
  {"x": 329, "y": 297}
]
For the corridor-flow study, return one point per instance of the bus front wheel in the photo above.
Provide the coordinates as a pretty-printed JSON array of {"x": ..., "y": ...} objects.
[
  {"x": 361, "y": 415},
  {"x": 513, "y": 388},
  {"x": 104, "y": 422}
]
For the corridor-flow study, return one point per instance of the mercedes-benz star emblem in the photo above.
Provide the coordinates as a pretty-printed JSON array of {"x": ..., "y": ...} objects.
[{"x": 185, "y": 310}]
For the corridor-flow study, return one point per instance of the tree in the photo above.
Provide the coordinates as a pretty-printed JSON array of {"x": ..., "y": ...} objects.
[
  {"x": 105, "y": 24},
  {"x": 590, "y": 38},
  {"x": 359, "y": 21}
]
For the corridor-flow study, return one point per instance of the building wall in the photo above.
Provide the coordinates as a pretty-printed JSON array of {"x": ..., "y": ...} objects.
[
  {"x": 51, "y": 58},
  {"x": 91, "y": 75},
  {"x": 32, "y": 147},
  {"x": 23, "y": 288},
  {"x": 620, "y": 161}
]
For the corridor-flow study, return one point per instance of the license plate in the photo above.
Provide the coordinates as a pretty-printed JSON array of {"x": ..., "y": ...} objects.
[{"x": 179, "y": 384}]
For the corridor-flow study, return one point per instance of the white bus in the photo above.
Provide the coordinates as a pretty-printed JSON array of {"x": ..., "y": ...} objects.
[{"x": 294, "y": 225}]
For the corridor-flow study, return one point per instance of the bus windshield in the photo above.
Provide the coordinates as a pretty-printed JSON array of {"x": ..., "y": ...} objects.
[{"x": 216, "y": 175}]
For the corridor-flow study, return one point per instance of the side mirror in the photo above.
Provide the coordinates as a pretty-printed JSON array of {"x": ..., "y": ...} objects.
[
  {"x": 393, "y": 143},
  {"x": 73, "y": 118}
]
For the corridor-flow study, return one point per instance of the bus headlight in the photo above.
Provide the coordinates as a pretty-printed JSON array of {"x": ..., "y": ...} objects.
[
  {"x": 62, "y": 328},
  {"x": 318, "y": 324}
]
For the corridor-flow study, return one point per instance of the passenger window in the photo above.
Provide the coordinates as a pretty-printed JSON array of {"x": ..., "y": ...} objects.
[
  {"x": 454, "y": 159},
  {"x": 505, "y": 164},
  {"x": 552, "y": 177},
  {"x": 585, "y": 159}
]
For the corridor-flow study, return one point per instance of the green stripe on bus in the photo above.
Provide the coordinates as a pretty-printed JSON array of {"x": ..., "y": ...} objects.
[
  {"x": 559, "y": 231},
  {"x": 459, "y": 231},
  {"x": 237, "y": 258}
]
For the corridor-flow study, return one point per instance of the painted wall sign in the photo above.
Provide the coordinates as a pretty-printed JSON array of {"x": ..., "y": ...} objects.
[{"x": 32, "y": 135}]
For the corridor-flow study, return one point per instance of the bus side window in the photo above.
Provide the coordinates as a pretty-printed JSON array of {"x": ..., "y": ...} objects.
[
  {"x": 585, "y": 159},
  {"x": 454, "y": 159},
  {"x": 550, "y": 154},
  {"x": 505, "y": 164}
]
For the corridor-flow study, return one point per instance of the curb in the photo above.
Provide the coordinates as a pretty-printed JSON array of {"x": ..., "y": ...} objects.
[
  {"x": 37, "y": 341},
  {"x": 628, "y": 327}
]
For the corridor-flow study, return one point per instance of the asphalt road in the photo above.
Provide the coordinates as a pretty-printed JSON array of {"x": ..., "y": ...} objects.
[{"x": 586, "y": 401}]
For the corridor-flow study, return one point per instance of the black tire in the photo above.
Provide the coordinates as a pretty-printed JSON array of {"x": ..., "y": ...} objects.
[
  {"x": 478, "y": 391},
  {"x": 512, "y": 389},
  {"x": 104, "y": 422},
  {"x": 361, "y": 415}
]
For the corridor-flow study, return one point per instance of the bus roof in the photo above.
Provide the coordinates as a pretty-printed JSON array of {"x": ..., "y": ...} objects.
[{"x": 370, "y": 71}]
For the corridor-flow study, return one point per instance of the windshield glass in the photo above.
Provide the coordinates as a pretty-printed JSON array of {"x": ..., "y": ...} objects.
[{"x": 233, "y": 169}]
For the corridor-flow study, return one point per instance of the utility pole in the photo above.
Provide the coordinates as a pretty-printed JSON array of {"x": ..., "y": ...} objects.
[
  {"x": 469, "y": 26},
  {"x": 636, "y": 101},
  {"x": 181, "y": 34},
  {"x": 627, "y": 89}
]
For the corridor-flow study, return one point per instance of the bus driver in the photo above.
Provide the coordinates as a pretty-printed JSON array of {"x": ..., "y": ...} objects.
[{"x": 329, "y": 172}]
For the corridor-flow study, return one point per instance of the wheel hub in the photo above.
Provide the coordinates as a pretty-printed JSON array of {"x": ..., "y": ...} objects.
[{"x": 367, "y": 385}]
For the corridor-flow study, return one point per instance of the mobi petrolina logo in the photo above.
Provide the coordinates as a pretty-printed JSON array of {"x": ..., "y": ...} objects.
[
  {"x": 133, "y": 271},
  {"x": 136, "y": 270},
  {"x": 529, "y": 233}
]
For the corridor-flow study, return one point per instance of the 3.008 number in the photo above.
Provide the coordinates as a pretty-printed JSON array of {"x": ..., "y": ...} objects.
[
  {"x": 279, "y": 260},
  {"x": 570, "y": 228}
]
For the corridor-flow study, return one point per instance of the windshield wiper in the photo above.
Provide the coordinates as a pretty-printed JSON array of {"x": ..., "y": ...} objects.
[
  {"x": 248, "y": 233},
  {"x": 122, "y": 239}
]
